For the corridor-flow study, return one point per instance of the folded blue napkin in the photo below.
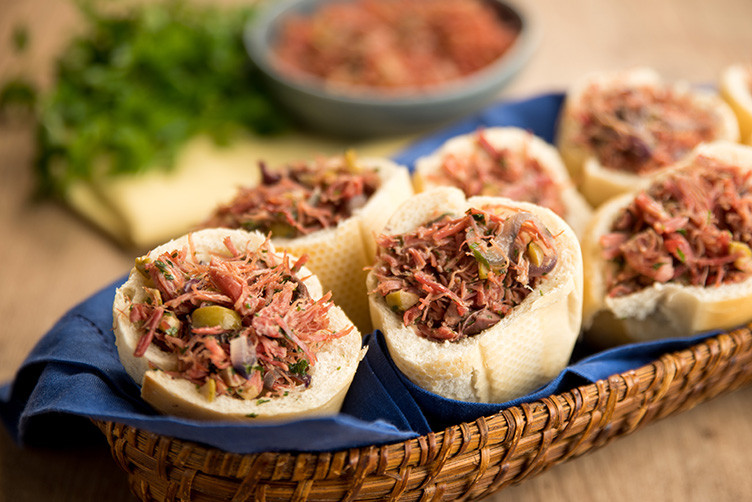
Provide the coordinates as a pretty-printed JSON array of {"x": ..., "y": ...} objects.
[{"x": 74, "y": 374}]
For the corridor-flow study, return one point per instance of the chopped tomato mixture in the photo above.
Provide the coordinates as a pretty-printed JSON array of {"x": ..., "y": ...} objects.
[
  {"x": 642, "y": 129},
  {"x": 241, "y": 325},
  {"x": 456, "y": 277},
  {"x": 300, "y": 198},
  {"x": 500, "y": 172},
  {"x": 692, "y": 228},
  {"x": 393, "y": 44}
]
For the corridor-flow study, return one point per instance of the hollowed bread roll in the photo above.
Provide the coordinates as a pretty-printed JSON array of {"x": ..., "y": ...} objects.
[
  {"x": 736, "y": 90},
  {"x": 527, "y": 169},
  {"x": 612, "y": 137},
  {"x": 339, "y": 254},
  {"x": 319, "y": 383},
  {"x": 662, "y": 301},
  {"x": 527, "y": 347}
]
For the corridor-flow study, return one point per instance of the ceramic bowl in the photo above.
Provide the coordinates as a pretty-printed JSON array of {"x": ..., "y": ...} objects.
[{"x": 369, "y": 113}]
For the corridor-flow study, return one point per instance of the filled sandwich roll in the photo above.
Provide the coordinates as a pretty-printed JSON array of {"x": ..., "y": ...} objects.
[
  {"x": 218, "y": 325},
  {"x": 618, "y": 128},
  {"x": 736, "y": 90},
  {"x": 673, "y": 259},
  {"x": 479, "y": 299},
  {"x": 505, "y": 162},
  {"x": 329, "y": 209}
]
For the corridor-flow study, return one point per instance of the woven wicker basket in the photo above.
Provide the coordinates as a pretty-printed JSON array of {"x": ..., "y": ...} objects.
[{"x": 464, "y": 462}]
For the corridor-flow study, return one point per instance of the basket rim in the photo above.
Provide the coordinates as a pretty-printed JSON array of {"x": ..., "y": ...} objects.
[
  {"x": 466, "y": 461},
  {"x": 658, "y": 370}
]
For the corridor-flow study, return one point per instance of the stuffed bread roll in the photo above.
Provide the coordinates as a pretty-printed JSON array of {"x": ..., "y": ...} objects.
[
  {"x": 218, "y": 325},
  {"x": 478, "y": 299},
  {"x": 673, "y": 259},
  {"x": 329, "y": 209},
  {"x": 736, "y": 90},
  {"x": 505, "y": 162},
  {"x": 618, "y": 128}
]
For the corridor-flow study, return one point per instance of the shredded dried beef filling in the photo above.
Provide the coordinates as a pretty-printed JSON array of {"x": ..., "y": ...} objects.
[
  {"x": 242, "y": 326},
  {"x": 500, "y": 172},
  {"x": 456, "y": 277},
  {"x": 692, "y": 228},
  {"x": 641, "y": 129},
  {"x": 300, "y": 198}
]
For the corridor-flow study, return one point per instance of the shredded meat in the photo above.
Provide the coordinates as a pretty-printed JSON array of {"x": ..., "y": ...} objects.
[
  {"x": 692, "y": 228},
  {"x": 641, "y": 129},
  {"x": 300, "y": 198},
  {"x": 263, "y": 337},
  {"x": 456, "y": 277},
  {"x": 394, "y": 44},
  {"x": 500, "y": 172}
]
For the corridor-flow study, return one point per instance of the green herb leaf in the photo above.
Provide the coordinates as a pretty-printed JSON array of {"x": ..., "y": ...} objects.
[
  {"x": 140, "y": 84},
  {"x": 163, "y": 269},
  {"x": 299, "y": 368}
]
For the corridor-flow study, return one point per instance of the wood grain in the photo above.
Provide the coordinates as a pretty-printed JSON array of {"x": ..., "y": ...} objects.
[{"x": 51, "y": 259}]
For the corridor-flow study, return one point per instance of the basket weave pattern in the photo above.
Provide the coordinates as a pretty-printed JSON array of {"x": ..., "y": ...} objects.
[{"x": 464, "y": 462}]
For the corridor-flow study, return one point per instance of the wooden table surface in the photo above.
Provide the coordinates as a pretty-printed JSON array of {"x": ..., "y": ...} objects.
[{"x": 52, "y": 259}]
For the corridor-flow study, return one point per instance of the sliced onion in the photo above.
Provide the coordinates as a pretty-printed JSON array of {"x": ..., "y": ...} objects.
[
  {"x": 242, "y": 355},
  {"x": 270, "y": 377},
  {"x": 505, "y": 240},
  {"x": 548, "y": 265},
  {"x": 356, "y": 202}
]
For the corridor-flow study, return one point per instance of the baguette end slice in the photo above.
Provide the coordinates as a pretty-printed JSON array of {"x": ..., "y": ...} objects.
[
  {"x": 661, "y": 310},
  {"x": 577, "y": 210},
  {"x": 736, "y": 90},
  {"x": 331, "y": 376},
  {"x": 338, "y": 255},
  {"x": 524, "y": 350},
  {"x": 597, "y": 182}
]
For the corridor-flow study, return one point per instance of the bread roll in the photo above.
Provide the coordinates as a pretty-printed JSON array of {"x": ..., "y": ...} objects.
[
  {"x": 536, "y": 164},
  {"x": 641, "y": 139},
  {"x": 668, "y": 306},
  {"x": 339, "y": 254},
  {"x": 529, "y": 346},
  {"x": 164, "y": 378},
  {"x": 736, "y": 90}
]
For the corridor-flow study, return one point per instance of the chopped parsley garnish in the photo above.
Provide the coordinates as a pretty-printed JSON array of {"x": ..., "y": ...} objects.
[
  {"x": 299, "y": 368},
  {"x": 163, "y": 269}
]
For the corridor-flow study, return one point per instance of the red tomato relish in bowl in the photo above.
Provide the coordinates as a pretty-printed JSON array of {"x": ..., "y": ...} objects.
[{"x": 394, "y": 45}]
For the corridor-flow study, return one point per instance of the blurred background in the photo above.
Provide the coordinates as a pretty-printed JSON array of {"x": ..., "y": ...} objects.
[{"x": 51, "y": 258}]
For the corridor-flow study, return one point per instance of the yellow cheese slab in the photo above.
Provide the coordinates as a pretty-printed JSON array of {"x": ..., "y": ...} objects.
[{"x": 145, "y": 209}]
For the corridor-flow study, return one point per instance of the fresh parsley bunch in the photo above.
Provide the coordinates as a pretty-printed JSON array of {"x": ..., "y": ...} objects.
[{"x": 139, "y": 84}]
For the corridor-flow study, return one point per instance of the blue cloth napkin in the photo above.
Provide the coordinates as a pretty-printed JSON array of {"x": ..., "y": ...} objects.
[
  {"x": 74, "y": 374},
  {"x": 538, "y": 114}
]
